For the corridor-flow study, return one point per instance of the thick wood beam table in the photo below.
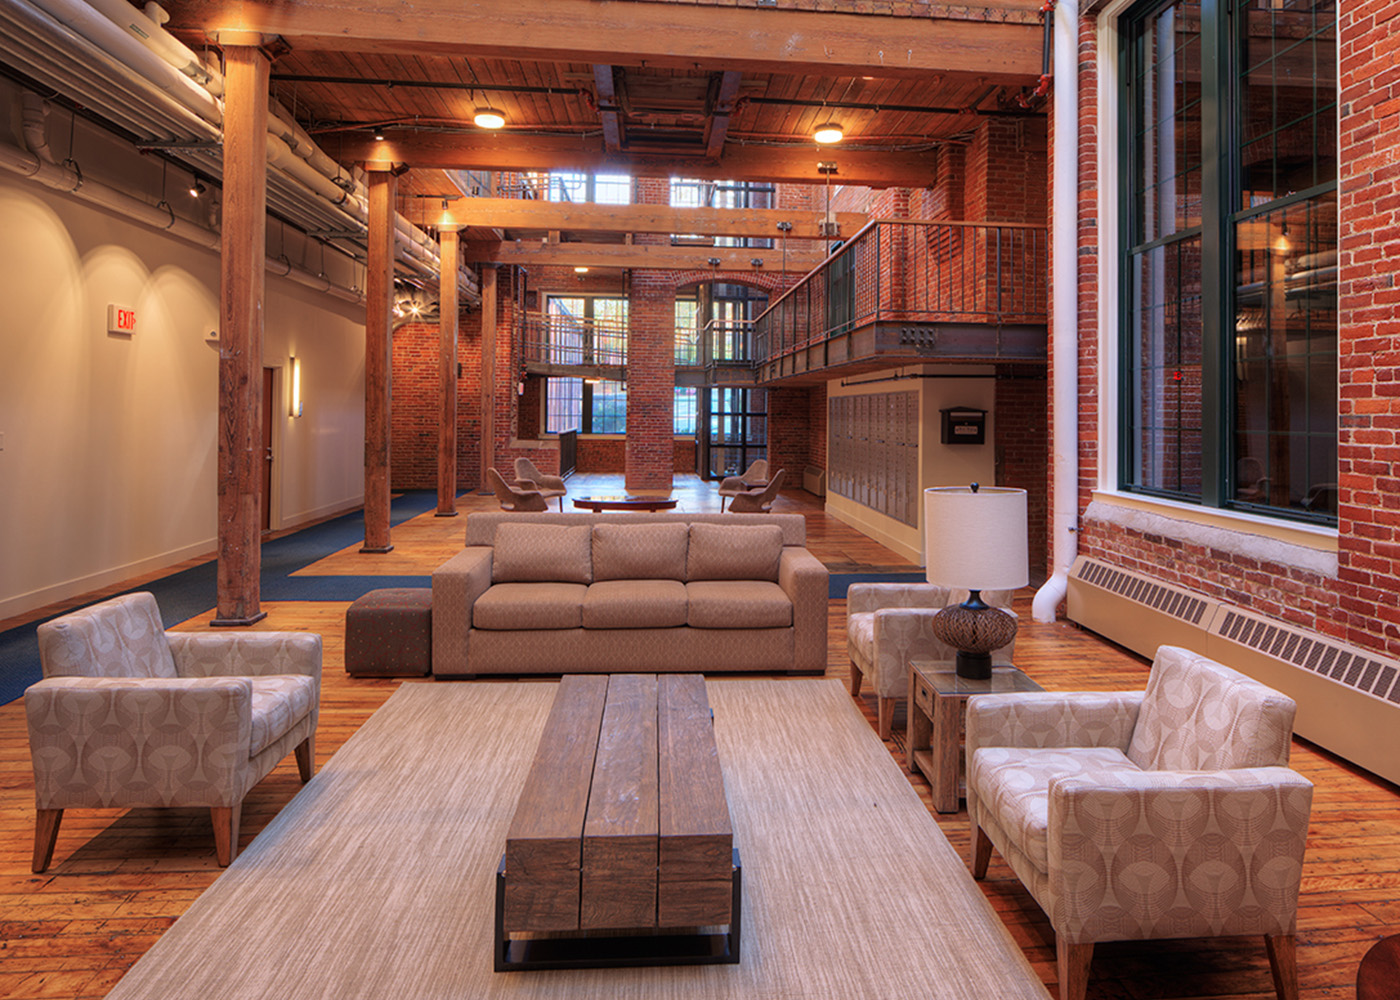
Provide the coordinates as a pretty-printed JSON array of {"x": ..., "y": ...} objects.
[{"x": 622, "y": 826}]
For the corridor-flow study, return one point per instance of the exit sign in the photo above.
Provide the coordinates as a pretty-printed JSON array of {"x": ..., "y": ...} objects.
[{"x": 120, "y": 319}]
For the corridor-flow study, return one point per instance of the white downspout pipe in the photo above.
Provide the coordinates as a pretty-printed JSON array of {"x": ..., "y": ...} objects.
[{"x": 1064, "y": 439}]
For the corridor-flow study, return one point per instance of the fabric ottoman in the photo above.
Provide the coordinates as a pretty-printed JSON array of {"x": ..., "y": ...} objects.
[{"x": 389, "y": 633}]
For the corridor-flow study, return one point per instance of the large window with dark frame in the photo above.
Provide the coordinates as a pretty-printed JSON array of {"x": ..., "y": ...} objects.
[
  {"x": 1228, "y": 395},
  {"x": 586, "y": 330}
]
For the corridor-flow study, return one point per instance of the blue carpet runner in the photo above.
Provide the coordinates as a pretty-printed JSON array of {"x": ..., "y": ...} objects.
[{"x": 190, "y": 592}]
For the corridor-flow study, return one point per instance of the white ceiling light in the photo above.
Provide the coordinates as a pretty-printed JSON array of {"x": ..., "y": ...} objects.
[
  {"x": 488, "y": 117},
  {"x": 828, "y": 133}
]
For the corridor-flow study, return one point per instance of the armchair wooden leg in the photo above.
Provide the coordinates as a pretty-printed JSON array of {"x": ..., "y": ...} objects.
[
  {"x": 855, "y": 680},
  {"x": 981, "y": 852},
  {"x": 885, "y": 714},
  {"x": 45, "y": 836},
  {"x": 306, "y": 757},
  {"x": 226, "y": 819},
  {"x": 1283, "y": 963},
  {"x": 1074, "y": 962}
]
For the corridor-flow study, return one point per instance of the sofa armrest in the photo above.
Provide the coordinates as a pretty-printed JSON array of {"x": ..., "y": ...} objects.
[
  {"x": 245, "y": 654},
  {"x": 806, "y": 582},
  {"x": 127, "y": 742},
  {"x": 1052, "y": 719},
  {"x": 1251, "y": 823},
  {"x": 457, "y": 584}
]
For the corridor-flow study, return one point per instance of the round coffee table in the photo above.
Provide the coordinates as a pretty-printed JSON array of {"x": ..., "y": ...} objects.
[{"x": 625, "y": 503}]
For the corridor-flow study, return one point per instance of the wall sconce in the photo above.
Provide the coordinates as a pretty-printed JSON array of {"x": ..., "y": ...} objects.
[{"x": 296, "y": 387}]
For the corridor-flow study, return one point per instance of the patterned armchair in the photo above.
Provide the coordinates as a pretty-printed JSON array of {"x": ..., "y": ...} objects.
[
  {"x": 889, "y": 624},
  {"x": 130, "y": 716},
  {"x": 1159, "y": 814}
]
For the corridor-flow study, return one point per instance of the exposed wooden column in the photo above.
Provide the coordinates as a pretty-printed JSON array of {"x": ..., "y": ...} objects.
[
  {"x": 447, "y": 373},
  {"x": 488, "y": 374},
  {"x": 379, "y": 305},
  {"x": 242, "y": 263}
]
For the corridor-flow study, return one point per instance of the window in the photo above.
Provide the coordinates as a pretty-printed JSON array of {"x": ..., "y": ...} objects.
[
  {"x": 601, "y": 189},
  {"x": 1228, "y": 272},
  {"x": 687, "y": 332},
  {"x": 585, "y": 330},
  {"x": 684, "y": 410},
  {"x": 687, "y": 192},
  {"x": 563, "y": 405},
  {"x": 608, "y": 407}
]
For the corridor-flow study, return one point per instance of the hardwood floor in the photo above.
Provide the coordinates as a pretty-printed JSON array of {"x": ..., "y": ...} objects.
[{"x": 120, "y": 878}]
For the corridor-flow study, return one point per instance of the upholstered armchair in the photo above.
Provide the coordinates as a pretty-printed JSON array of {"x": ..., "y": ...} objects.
[
  {"x": 528, "y": 477},
  {"x": 1159, "y": 814},
  {"x": 514, "y": 498},
  {"x": 758, "y": 500},
  {"x": 755, "y": 476},
  {"x": 889, "y": 624},
  {"x": 129, "y": 716}
]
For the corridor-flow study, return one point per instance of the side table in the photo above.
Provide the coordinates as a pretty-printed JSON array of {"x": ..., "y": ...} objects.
[{"x": 937, "y": 712}]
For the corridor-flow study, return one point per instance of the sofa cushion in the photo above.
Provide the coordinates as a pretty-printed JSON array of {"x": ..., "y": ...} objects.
[
  {"x": 737, "y": 604},
  {"x": 635, "y": 604},
  {"x": 280, "y": 701},
  {"x": 1013, "y": 784},
  {"x": 534, "y": 553},
  {"x": 734, "y": 552},
  {"x": 639, "y": 551},
  {"x": 511, "y": 606}
]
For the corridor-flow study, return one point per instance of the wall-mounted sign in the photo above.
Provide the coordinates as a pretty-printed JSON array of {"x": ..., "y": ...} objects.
[
  {"x": 964, "y": 425},
  {"x": 121, "y": 320}
]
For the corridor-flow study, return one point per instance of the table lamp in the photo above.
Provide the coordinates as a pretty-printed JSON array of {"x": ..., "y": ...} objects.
[{"x": 975, "y": 539}]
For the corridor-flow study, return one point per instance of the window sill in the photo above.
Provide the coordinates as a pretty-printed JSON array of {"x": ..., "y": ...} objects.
[{"x": 1305, "y": 546}]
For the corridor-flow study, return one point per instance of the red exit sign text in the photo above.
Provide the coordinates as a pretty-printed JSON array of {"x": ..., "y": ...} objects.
[{"x": 121, "y": 319}]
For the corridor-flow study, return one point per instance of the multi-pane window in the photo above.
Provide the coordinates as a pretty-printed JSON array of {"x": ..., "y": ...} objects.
[
  {"x": 1229, "y": 390},
  {"x": 687, "y": 331},
  {"x": 688, "y": 192},
  {"x": 586, "y": 330},
  {"x": 608, "y": 407},
  {"x": 601, "y": 189},
  {"x": 684, "y": 410},
  {"x": 563, "y": 405}
]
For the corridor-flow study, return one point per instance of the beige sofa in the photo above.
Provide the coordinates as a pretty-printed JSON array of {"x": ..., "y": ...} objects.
[{"x": 546, "y": 593}]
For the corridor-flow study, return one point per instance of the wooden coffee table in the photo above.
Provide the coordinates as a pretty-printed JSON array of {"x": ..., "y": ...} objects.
[
  {"x": 937, "y": 712},
  {"x": 622, "y": 828},
  {"x": 625, "y": 503}
]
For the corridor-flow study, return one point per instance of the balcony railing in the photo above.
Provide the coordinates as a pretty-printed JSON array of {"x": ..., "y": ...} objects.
[
  {"x": 910, "y": 273},
  {"x": 573, "y": 341}
]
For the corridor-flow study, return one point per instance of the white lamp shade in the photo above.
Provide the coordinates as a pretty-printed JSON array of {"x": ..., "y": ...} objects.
[{"x": 976, "y": 541}]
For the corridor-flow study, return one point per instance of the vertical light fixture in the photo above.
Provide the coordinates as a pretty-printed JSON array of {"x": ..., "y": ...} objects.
[
  {"x": 975, "y": 539},
  {"x": 296, "y": 387}
]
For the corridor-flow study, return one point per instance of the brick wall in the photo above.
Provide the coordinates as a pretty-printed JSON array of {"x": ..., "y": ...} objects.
[
  {"x": 414, "y": 411},
  {"x": 1361, "y": 605},
  {"x": 788, "y": 440},
  {"x": 1022, "y": 450}
]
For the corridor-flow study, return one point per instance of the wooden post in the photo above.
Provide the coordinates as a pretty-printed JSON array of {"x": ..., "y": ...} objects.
[
  {"x": 488, "y": 376},
  {"x": 241, "y": 281},
  {"x": 379, "y": 304},
  {"x": 447, "y": 373}
]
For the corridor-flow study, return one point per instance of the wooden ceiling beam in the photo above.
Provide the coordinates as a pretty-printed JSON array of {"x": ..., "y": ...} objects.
[
  {"x": 794, "y": 164},
  {"x": 667, "y": 35},
  {"x": 560, "y": 216},
  {"x": 639, "y": 257},
  {"x": 721, "y": 108},
  {"x": 605, "y": 86}
]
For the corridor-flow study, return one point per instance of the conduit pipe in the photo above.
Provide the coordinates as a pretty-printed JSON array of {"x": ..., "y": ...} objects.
[
  {"x": 147, "y": 29},
  {"x": 34, "y": 112},
  {"x": 137, "y": 55},
  {"x": 61, "y": 178},
  {"x": 1064, "y": 433}
]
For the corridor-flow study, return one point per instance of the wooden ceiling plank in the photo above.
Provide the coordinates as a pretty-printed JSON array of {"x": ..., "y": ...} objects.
[
  {"x": 516, "y": 213},
  {"x": 682, "y": 36},
  {"x": 637, "y": 257},
  {"x": 790, "y": 164}
]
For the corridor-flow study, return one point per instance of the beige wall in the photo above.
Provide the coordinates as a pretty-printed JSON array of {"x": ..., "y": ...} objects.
[{"x": 109, "y": 449}]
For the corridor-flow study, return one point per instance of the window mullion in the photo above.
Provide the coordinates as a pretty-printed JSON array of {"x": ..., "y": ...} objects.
[{"x": 1216, "y": 154}]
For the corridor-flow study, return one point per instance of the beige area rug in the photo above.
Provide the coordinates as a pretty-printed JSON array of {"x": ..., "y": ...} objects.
[{"x": 376, "y": 881}]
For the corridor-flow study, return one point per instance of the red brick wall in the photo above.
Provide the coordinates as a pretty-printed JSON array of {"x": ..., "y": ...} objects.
[
  {"x": 788, "y": 440},
  {"x": 1362, "y": 604},
  {"x": 607, "y": 454},
  {"x": 1022, "y": 449},
  {"x": 816, "y": 426},
  {"x": 414, "y": 410}
]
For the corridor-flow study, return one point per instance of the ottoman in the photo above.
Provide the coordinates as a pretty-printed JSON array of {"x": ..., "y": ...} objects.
[{"x": 389, "y": 633}]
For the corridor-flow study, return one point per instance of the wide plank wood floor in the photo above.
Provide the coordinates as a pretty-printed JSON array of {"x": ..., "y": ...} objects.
[{"x": 120, "y": 878}]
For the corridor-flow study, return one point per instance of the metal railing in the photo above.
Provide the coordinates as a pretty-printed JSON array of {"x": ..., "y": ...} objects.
[
  {"x": 909, "y": 271},
  {"x": 569, "y": 340}
]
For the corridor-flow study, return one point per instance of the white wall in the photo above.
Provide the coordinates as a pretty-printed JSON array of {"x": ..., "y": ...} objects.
[
  {"x": 939, "y": 464},
  {"x": 107, "y": 463}
]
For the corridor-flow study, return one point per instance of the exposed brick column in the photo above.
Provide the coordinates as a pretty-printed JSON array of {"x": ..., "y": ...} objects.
[{"x": 651, "y": 379}]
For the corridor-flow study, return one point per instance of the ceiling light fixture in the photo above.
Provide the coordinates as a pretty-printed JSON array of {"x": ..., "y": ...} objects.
[
  {"x": 378, "y": 135},
  {"x": 828, "y": 133},
  {"x": 580, "y": 270},
  {"x": 488, "y": 117},
  {"x": 197, "y": 189}
]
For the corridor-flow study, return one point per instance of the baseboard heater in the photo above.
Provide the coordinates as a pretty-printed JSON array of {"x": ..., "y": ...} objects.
[{"x": 1348, "y": 698}]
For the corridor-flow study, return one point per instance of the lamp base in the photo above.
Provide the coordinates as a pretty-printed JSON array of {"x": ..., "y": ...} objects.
[{"x": 974, "y": 629}]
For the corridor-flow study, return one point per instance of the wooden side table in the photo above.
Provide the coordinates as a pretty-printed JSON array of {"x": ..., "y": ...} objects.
[{"x": 937, "y": 710}]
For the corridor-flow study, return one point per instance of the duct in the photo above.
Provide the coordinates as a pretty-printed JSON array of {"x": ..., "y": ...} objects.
[
  {"x": 146, "y": 28},
  {"x": 35, "y": 114},
  {"x": 85, "y": 21},
  {"x": 1064, "y": 454},
  {"x": 61, "y": 178}
]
